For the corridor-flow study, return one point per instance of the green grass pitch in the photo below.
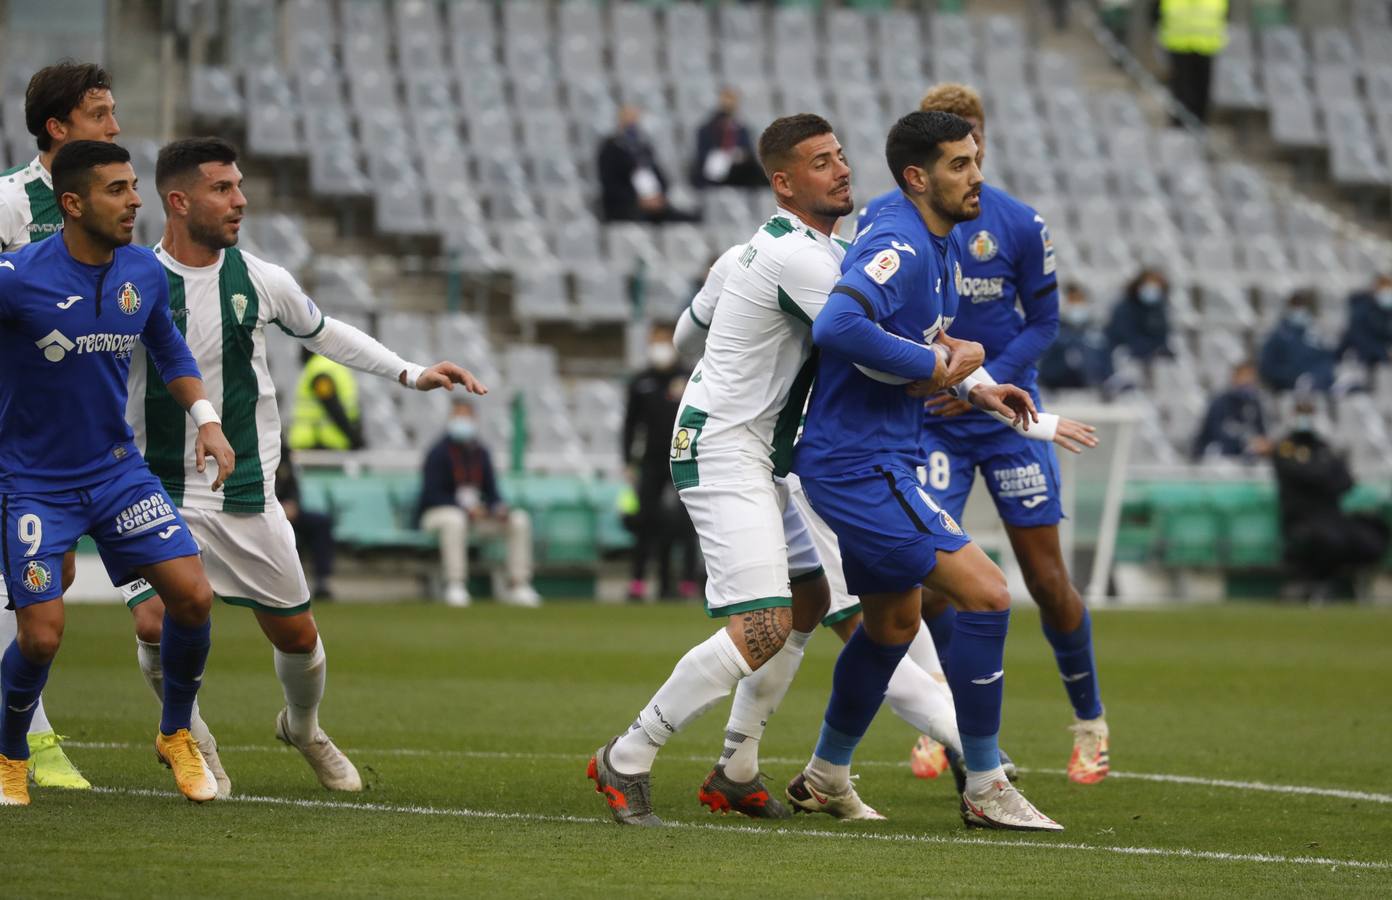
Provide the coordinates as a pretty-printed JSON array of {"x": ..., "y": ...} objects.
[{"x": 473, "y": 728}]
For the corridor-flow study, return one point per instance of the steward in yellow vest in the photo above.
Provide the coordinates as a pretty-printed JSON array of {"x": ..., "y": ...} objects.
[{"x": 327, "y": 416}]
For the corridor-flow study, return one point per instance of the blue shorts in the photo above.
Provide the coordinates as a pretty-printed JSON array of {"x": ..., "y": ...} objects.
[
  {"x": 130, "y": 517},
  {"x": 889, "y": 529},
  {"x": 1022, "y": 475}
]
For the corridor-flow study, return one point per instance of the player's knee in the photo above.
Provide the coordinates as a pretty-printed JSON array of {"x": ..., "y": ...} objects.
[
  {"x": 296, "y": 635},
  {"x": 1049, "y": 585},
  {"x": 989, "y": 594},
  {"x": 194, "y": 604},
  {"x": 934, "y": 602},
  {"x": 39, "y": 642}
]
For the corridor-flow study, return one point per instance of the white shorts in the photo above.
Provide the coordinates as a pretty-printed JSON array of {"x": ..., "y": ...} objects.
[
  {"x": 804, "y": 563},
  {"x": 843, "y": 604},
  {"x": 250, "y": 559},
  {"x": 740, "y": 526}
]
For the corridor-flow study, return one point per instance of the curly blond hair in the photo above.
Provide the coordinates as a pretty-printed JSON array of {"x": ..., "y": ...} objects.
[{"x": 951, "y": 97}]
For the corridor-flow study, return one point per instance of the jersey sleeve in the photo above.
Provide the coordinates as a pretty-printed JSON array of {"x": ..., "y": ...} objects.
[
  {"x": 9, "y": 285},
  {"x": 290, "y": 307},
  {"x": 1037, "y": 293},
  {"x": 806, "y": 280},
  {"x": 702, "y": 306},
  {"x": 880, "y": 276},
  {"x": 167, "y": 347}
]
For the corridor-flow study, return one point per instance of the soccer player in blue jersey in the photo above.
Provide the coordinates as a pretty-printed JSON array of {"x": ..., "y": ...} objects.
[
  {"x": 1009, "y": 303},
  {"x": 72, "y": 310},
  {"x": 882, "y": 327}
]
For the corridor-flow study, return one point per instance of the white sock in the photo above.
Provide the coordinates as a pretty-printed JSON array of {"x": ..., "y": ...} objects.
[
  {"x": 9, "y": 631},
  {"x": 920, "y": 700},
  {"x": 829, "y": 778},
  {"x": 756, "y": 699},
  {"x": 302, "y": 677},
  {"x": 701, "y": 679},
  {"x": 149, "y": 659},
  {"x": 980, "y": 781}
]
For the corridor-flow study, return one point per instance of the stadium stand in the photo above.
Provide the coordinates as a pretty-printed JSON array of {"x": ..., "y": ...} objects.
[{"x": 467, "y": 130}]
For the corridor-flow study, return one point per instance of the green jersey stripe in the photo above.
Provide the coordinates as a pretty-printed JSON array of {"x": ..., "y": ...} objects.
[
  {"x": 245, "y": 490},
  {"x": 790, "y": 418},
  {"x": 164, "y": 417}
]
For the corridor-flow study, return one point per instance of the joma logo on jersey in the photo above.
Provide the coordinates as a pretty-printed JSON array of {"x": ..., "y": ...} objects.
[
  {"x": 128, "y": 299},
  {"x": 982, "y": 289},
  {"x": 149, "y": 513}
]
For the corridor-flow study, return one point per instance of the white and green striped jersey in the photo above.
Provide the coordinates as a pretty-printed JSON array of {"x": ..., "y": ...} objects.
[
  {"x": 743, "y": 404},
  {"x": 28, "y": 209},
  {"x": 222, "y": 310}
]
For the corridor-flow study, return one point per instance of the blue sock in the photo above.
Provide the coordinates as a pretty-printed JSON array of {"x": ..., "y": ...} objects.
[
  {"x": 1077, "y": 667},
  {"x": 21, "y": 684},
  {"x": 858, "y": 687},
  {"x": 940, "y": 627},
  {"x": 976, "y": 675},
  {"x": 183, "y": 653}
]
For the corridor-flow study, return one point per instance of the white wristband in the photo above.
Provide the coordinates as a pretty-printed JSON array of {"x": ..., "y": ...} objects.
[
  {"x": 203, "y": 413},
  {"x": 413, "y": 372}
]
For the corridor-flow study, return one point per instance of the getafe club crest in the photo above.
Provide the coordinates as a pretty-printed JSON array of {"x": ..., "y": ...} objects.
[
  {"x": 36, "y": 576},
  {"x": 239, "y": 305},
  {"x": 949, "y": 523},
  {"x": 128, "y": 299},
  {"x": 957, "y": 276},
  {"x": 983, "y": 246}
]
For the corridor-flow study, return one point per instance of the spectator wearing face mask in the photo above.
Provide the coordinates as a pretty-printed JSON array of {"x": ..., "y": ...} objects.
[
  {"x": 661, "y": 526},
  {"x": 459, "y": 493},
  {"x": 1140, "y": 322},
  {"x": 1234, "y": 425},
  {"x": 1322, "y": 542},
  {"x": 1368, "y": 337},
  {"x": 1079, "y": 356},
  {"x": 1292, "y": 355}
]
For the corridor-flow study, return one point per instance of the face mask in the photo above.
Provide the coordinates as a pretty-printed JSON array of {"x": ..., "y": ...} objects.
[
  {"x": 462, "y": 430},
  {"x": 1304, "y": 423},
  {"x": 1151, "y": 293},
  {"x": 1299, "y": 317},
  {"x": 1384, "y": 298},
  {"x": 662, "y": 356},
  {"x": 1076, "y": 314}
]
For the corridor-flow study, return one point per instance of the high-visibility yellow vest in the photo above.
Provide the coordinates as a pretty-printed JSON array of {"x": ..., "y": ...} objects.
[
  {"x": 1194, "y": 26},
  {"x": 311, "y": 427}
]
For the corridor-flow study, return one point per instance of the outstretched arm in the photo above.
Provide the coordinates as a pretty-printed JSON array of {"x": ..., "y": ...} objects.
[{"x": 356, "y": 349}]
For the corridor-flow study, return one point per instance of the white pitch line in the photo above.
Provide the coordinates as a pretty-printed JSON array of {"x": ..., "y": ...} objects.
[
  {"x": 1253, "y": 786},
  {"x": 1023, "y": 844}
]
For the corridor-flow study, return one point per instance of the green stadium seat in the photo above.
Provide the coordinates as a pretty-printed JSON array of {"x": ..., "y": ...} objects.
[
  {"x": 1254, "y": 538},
  {"x": 365, "y": 517},
  {"x": 314, "y": 491},
  {"x": 1190, "y": 537},
  {"x": 610, "y": 530}
]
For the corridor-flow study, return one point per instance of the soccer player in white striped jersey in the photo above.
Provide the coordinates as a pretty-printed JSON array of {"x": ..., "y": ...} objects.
[
  {"x": 62, "y": 103},
  {"x": 733, "y": 435},
  {"x": 222, "y": 299}
]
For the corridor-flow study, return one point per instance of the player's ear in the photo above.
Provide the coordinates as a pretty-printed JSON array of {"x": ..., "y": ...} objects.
[
  {"x": 70, "y": 203},
  {"x": 916, "y": 178},
  {"x": 57, "y": 129}
]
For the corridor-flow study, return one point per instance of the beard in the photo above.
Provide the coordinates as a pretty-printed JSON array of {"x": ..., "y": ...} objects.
[
  {"x": 953, "y": 211},
  {"x": 211, "y": 235},
  {"x": 834, "y": 209}
]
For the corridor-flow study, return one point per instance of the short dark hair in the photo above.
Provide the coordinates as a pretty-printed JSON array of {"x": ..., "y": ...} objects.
[
  {"x": 184, "y": 156},
  {"x": 778, "y": 140},
  {"x": 55, "y": 91},
  {"x": 917, "y": 139},
  {"x": 74, "y": 162}
]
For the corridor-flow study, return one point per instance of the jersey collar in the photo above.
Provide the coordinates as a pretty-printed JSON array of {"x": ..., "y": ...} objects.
[
  {"x": 178, "y": 268},
  {"x": 802, "y": 226},
  {"x": 37, "y": 166}
]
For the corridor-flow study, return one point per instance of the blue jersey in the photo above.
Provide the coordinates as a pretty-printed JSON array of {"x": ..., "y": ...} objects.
[
  {"x": 67, "y": 331},
  {"x": 900, "y": 274},
  {"x": 1009, "y": 296}
]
